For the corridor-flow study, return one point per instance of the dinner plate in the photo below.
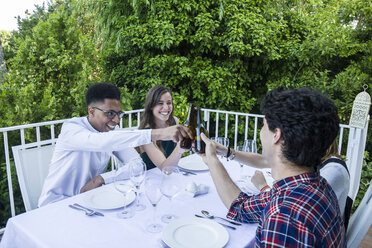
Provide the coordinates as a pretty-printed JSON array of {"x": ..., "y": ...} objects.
[
  {"x": 196, "y": 233},
  {"x": 193, "y": 163},
  {"x": 107, "y": 197}
]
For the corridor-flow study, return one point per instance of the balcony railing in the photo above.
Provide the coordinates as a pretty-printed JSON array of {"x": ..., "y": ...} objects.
[{"x": 234, "y": 125}]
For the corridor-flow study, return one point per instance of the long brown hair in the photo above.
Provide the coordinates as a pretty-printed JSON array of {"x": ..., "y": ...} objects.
[
  {"x": 332, "y": 151},
  {"x": 148, "y": 119},
  {"x": 152, "y": 98}
]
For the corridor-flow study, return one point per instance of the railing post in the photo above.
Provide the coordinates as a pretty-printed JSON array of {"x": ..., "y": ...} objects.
[
  {"x": 355, "y": 154},
  {"x": 8, "y": 173},
  {"x": 226, "y": 125},
  {"x": 236, "y": 131}
]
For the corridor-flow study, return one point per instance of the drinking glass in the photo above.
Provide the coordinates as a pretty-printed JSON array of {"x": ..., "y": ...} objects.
[
  {"x": 153, "y": 194},
  {"x": 251, "y": 145},
  {"x": 170, "y": 186},
  {"x": 222, "y": 140},
  {"x": 242, "y": 148},
  {"x": 124, "y": 187},
  {"x": 137, "y": 172}
]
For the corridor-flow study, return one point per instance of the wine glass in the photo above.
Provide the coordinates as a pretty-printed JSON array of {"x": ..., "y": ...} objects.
[
  {"x": 222, "y": 140},
  {"x": 170, "y": 186},
  {"x": 242, "y": 148},
  {"x": 137, "y": 172},
  {"x": 153, "y": 194},
  {"x": 124, "y": 187},
  {"x": 251, "y": 145}
]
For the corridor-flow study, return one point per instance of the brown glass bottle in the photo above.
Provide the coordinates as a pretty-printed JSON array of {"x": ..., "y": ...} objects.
[
  {"x": 190, "y": 122},
  {"x": 199, "y": 143}
]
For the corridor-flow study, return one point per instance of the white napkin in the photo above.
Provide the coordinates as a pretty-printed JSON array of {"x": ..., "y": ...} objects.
[{"x": 194, "y": 190}]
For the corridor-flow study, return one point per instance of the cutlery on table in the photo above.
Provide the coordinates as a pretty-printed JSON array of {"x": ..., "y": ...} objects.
[
  {"x": 186, "y": 173},
  {"x": 199, "y": 216},
  {"x": 87, "y": 211},
  {"x": 209, "y": 216}
]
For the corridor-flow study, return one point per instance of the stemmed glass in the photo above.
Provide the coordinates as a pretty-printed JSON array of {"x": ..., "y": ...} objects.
[
  {"x": 251, "y": 145},
  {"x": 242, "y": 148},
  {"x": 153, "y": 194},
  {"x": 125, "y": 188},
  {"x": 137, "y": 172},
  {"x": 222, "y": 140},
  {"x": 170, "y": 186}
]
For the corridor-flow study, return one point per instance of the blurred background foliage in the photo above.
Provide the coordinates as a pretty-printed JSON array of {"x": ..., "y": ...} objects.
[{"x": 219, "y": 54}]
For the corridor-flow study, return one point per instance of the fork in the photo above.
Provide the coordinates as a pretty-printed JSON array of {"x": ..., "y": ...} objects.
[{"x": 87, "y": 212}]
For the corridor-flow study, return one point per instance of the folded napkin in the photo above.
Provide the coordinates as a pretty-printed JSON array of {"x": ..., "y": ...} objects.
[{"x": 194, "y": 190}]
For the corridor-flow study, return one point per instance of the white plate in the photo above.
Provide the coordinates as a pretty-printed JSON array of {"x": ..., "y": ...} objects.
[
  {"x": 193, "y": 163},
  {"x": 107, "y": 197},
  {"x": 196, "y": 233}
]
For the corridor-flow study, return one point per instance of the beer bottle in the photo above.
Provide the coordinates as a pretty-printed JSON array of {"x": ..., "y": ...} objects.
[
  {"x": 190, "y": 122},
  {"x": 199, "y": 143}
]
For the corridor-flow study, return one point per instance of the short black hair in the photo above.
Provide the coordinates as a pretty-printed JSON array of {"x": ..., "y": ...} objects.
[
  {"x": 308, "y": 120},
  {"x": 98, "y": 92}
]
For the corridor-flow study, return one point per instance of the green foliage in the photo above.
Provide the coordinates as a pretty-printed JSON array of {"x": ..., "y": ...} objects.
[
  {"x": 50, "y": 72},
  {"x": 4, "y": 37}
]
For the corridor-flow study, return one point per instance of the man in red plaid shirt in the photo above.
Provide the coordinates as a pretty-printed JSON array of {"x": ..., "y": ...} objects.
[{"x": 301, "y": 209}]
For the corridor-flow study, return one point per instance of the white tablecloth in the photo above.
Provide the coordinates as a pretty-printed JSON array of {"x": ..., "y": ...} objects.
[{"x": 57, "y": 225}]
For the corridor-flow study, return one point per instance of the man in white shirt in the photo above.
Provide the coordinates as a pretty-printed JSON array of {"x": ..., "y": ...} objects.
[{"x": 85, "y": 144}]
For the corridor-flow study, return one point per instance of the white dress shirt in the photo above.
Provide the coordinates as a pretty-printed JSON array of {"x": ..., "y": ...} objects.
[{"x": 82, "y": 153}]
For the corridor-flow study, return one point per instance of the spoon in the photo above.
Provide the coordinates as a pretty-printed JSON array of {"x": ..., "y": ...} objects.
[
  {"x": 199, "y": 216},
  {"x": 206, "y": 214}
]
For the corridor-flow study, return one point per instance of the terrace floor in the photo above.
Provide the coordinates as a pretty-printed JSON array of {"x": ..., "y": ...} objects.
[{"x": 367, "y": 241}]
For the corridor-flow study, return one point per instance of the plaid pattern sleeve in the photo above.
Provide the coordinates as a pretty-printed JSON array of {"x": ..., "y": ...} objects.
[{"x": 248, "y": 208}]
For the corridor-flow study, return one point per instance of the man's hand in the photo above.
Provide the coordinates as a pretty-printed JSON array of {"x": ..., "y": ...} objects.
[
  {"x": 210, "y": 149},
  {"x": 92, "y": 184},
  {"x": 175, "y": 133}
]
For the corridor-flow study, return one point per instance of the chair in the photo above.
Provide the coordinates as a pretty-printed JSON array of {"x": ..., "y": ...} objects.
[
  {"x": 32, "y": 165},
  {"x": 361, "y": 220}
]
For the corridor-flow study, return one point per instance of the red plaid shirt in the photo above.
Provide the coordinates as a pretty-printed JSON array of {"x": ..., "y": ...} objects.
[{"x": 299, "y": 211}]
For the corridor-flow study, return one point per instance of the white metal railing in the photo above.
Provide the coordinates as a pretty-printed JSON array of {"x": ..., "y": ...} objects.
[{"x": 217, "y": 121}]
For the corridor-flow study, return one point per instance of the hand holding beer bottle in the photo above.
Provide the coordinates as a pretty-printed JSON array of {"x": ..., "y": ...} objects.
[
  {"x": 195, "y": 124},
  {"x": 190, "y": 122}
]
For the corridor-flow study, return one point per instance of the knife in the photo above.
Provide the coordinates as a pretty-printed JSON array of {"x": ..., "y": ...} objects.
[
  {"x": 95, "y": 212},
  {"x": 199, "y": 216}
]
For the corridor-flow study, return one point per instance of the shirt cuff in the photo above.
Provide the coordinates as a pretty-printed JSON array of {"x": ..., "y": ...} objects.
[{"x": 109, "y": 177}]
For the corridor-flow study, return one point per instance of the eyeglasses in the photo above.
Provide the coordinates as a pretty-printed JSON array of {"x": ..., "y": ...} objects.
[{"x": 111, "y": 114}]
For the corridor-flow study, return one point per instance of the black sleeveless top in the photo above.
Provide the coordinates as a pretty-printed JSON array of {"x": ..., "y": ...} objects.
[{"x": 168, "y": 147}]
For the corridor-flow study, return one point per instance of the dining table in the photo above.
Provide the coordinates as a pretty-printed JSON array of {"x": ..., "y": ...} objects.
[{"x": 58, "y": 225}]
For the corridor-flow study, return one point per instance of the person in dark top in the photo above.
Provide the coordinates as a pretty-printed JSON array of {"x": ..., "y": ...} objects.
[{"x": 158, "y": 114}]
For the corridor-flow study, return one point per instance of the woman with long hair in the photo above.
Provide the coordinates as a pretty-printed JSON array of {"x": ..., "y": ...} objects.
[{"x": 159, "y": 114}]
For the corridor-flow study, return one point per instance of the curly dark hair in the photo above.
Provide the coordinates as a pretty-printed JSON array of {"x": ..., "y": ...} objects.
[
  {"x": 308, "y": 120},
  {"x": 98, "y": 92}
]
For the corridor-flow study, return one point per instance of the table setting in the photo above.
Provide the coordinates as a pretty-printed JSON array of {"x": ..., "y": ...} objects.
[{"x": 154, "y": 208}]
